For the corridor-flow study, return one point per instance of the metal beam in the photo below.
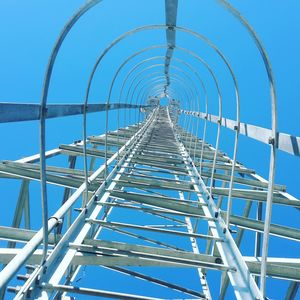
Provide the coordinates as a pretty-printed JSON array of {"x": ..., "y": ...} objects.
[
  {"x": 148, "y": 228},
  {"x": 92, "y": 292},
  {"x": 158, "y": 281},
  {"x": 15, "y": 112},
  {"x": 286, "y": 142},
  {"x": 242, "y": 282},
  {"x": 292, "y": 291},
  {"x": 278, "y": 230},
  {"x": 171, "y": 16}
]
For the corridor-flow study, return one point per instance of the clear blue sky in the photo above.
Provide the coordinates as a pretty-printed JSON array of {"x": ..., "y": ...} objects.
[{"x": 28, "y": 30}]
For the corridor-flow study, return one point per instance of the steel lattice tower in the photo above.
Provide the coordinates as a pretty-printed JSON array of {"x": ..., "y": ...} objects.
[{"x": 153, "y": 195}]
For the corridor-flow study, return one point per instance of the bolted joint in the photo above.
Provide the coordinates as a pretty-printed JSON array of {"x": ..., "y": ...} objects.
[
  {"x": 58, "y": 221},
  {"x": 13, "y": 289},
  {"x": 271, "y": 140},
  {"x": 236, "y": 127},
  {"x": 218, "y": 260},
  {"x": 30, "y": 268},
  {"x": 44, "y": 111},
  {"x": 23, "y": 277},
  {"x": 232, "y": 230},
  {"x": 78, "y": 209}
]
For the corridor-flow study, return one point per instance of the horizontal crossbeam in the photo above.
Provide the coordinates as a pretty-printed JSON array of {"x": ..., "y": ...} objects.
[
  {"x": 15, "y": 112},
  {"x": 286, "y": 142}
]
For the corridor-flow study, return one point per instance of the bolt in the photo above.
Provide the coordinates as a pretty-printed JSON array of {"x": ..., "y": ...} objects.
[
  {"x": 271, "y": 140},
  {"x": 218, "y": 260}
]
